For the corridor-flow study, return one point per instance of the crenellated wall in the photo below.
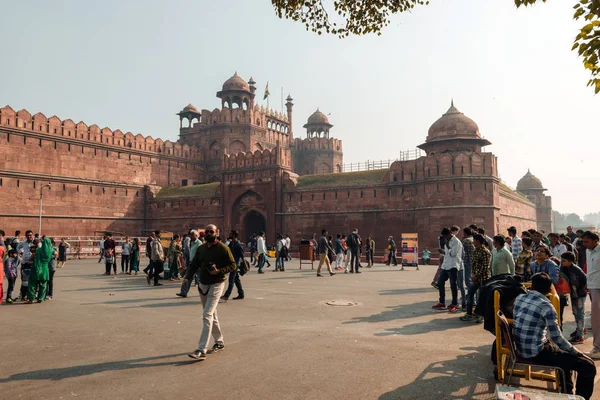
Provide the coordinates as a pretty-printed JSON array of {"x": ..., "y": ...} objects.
[{"x": 54, "y": 127}]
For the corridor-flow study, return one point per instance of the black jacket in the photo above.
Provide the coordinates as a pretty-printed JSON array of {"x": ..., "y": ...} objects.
[
  {"x": 509, "y": 289},
  {"x": 577, "y": 281}
]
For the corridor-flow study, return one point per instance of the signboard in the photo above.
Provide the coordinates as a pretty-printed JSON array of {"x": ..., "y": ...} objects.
[{"x": 409, "y": 247}]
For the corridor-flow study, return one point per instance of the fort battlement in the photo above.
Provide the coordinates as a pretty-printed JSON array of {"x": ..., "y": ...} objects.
[
  {"x": 55, "y": 127},
  {"x": 319, "y": 143},
  {"x": 257, "y": 159}
]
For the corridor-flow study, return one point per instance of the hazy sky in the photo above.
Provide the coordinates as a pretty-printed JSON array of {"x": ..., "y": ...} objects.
[{"x": 133, "y": 65}]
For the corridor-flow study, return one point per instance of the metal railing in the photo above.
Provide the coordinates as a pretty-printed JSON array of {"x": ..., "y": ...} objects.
[{"x": 370, "y": 165}]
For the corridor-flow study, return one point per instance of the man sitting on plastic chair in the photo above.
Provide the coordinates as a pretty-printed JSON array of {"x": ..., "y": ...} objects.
[{"x": 534, "y": 319}]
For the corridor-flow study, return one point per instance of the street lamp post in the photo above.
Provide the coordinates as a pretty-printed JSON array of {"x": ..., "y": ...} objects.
[{"x": 48, "y": 185}]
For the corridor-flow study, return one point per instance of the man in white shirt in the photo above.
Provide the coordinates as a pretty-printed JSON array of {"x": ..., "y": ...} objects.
[
  {"x": 556, "y": 248},
  {"x": 453, "y": 250},
  {"x": 288, "y": 242},
  {"x": 261, "y": 248},
  {"x": 590, "y": 241}
]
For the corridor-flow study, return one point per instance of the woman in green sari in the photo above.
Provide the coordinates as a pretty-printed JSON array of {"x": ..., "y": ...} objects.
[{"x": 40, "y": 272}]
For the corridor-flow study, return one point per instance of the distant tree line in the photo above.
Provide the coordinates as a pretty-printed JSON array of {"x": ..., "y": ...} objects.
[{"x": 561, "y": 221}]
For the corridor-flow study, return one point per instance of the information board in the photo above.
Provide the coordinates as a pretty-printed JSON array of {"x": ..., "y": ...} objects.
[{"x": 410, "y": 249}]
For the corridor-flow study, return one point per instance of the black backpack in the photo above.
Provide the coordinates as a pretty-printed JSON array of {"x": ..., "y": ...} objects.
[
  {"x": 284, "y": 251},
  {"x": 351, "y": 241}
]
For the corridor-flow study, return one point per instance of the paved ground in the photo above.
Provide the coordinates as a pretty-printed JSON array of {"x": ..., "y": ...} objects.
[{"x": 117, "y": 338}]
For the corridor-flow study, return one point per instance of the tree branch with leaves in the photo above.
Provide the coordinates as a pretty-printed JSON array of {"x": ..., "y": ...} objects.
[{"x": 362, "y": 17}]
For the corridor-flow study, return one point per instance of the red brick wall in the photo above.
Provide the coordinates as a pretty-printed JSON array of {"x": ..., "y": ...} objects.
[
  {"x": 179, "y": 215},
  {"x": 69, "y": 208},
  {"x": 517, "y": 212}
]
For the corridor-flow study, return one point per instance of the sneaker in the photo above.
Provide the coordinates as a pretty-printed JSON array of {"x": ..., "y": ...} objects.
[
  {"x": 573, "y": 334},
  {"x": 180, "y": 294},
  {"x": 351, "y": 271},
  {"x": 358, "y": 272},
  {"x": 46, "y": 298},
  {"x": 331, "y": 273},
  {"x": 197, "y": 355},
  {"x": 439, "y": 306},
  {"x": 594, "y": 354},
  {"x": 217, "y": 347},
  {"x": 239, "y": 297},
  {"x": 9, "y": 300},
  {"x": 478, "y": 319},
  {"x": 452, "y": 308},
  {"x": 577, "y": 340},
  {"x": 261, "y": 272},
  {"x": 467, "y": 317},
  {"x": 158, "y": 284},
  {"x": 319, "y": 275}
]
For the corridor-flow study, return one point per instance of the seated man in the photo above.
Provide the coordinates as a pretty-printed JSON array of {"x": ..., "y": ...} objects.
[{"x": 534, "y": 315}]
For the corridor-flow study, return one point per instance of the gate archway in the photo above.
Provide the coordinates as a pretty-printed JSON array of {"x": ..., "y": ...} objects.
[{"x": 254, "y": 222}]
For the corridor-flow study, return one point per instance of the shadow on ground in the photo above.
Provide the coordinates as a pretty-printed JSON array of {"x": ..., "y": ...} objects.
[
  {"x": 436, "y": 325},
  {"x": 468, "y": 376},
  {"x": 396, "y": 312},
  {"x": 57, "y": 374}
]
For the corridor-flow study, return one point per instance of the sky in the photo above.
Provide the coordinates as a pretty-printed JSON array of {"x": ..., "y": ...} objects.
[{"x": 132, "y": 65}]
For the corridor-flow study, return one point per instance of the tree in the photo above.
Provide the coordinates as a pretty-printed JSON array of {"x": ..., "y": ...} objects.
[{"x": 371, "y": 16}]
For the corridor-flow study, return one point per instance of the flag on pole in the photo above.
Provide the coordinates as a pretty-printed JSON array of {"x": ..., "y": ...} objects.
[{"x": 267, "y": 94}]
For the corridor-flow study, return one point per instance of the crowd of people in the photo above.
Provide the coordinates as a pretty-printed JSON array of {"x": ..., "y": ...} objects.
[
  {"x": 34, "y": 260},
  {"x": 570, "y": 263}
]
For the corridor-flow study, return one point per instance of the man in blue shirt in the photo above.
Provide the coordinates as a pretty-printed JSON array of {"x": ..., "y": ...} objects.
[{"x": 538, "y": 337}]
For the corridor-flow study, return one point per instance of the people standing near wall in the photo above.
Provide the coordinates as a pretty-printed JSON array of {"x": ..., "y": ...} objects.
[
  {"x": 392, "y": 252},
  {"x": 502, "y": 260},
  {"x": 353, "y": 243},
  {"x": 281, "y": 253},
  {"x": 370, "y": 247},
  {"x": 261, "y": 249},
  {"x": 40, "y": 272},
  {"x": 234, "y": 276},
  {"x": 346, "y": 253},
  {"x": 174, "y": 255},
  {"x": 516, "y": 244},
  {"x": 24, "y": 249},
  {"x": 135, "y": 256},
  {"x": 288, "y": 244},
  {"x": 339, "y": 252},
  {"x": 323, "y": 250},
  {"x": 62, "y": 252},
  {"x": 468, "y": 251},
  {"x": 523, "y": 263},
  {"x": 157, "y": 257},
  {"x": 213, "y": 262},
  {"x": 11, "y": 269},
  {"x": 110, "y": 247},
  {"x": 488, "y": 240},
  {"x": 195, "y": 243},
  {"x": 52, "y": 270},
  {"x": 253, "y": 249},
  {"x": 149, "y": 239},
  {"x": 101, "y": 245},
  {"x": 450, "y": 266},
  {"x": 185, "y": 244},
  {"x": 480, "y": 275},
  {"x": 126, "y": 256}
]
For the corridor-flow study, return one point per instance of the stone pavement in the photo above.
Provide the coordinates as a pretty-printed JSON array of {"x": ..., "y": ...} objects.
[{"x": 117, "y": 338}]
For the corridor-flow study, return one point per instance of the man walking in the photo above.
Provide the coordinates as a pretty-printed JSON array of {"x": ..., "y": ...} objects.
[
  {"x": 110, "y": 249},
  {"x": 234, "y": 276},
  {"x": 324, "y": 248},
  {"x": 213, "y": 262},
  {"x": 468, "y": 250},
  {"x": 157, "y": 258},
  {"x": 288, "y": 243},
  {"x": 450, "y": 266},
  {"x": 339, "y": 252},
  {"x": 370, "y": 246},
  {"x": 392, "y": 252},
  {"x": 148, "y": 269},
  {"x": 353, "y": 243}
]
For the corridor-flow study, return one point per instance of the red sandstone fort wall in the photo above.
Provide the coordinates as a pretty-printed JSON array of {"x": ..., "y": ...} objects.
[
  {"x": 69, "y": 208},
  {"x": 179, "y": 215},
  {"x": 515, "y": 211}
]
